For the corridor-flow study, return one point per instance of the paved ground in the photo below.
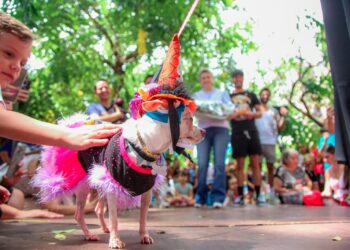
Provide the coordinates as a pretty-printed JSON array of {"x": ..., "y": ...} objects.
[{"x": 278, "y": 227}]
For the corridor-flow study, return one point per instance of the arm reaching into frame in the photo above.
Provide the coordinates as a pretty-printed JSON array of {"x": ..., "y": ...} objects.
[{"x": 23, "y": 128}]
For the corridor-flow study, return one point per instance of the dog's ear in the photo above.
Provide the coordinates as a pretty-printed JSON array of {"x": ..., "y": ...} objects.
[{"x": 158, "y": 104}]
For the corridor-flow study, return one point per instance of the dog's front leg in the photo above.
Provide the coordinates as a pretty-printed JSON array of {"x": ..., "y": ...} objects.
[
  {"x": 79, "y": 216},
  {"x": 114, "y": 240},
  {"x": 100, "y": 211},
  {"x": 145, "y": 201}
]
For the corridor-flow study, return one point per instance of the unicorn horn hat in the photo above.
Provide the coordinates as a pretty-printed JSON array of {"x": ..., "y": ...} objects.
[
  {"x": 166, "y": 90},
  {"x": 167, "y": 84}
]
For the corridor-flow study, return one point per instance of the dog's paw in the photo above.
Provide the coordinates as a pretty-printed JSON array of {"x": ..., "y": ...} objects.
[
  {"x": 146, "y": 239},
  {"x": 116, "y": 243},
  {"x": 105, "y": 229},
  {"x": 91, "y": 237}
]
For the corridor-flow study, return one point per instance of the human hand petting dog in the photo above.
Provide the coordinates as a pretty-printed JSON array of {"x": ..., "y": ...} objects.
[{"x": 89, "y": 136}]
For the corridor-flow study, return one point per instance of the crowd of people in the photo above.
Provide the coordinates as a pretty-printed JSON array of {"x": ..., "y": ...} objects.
[{"x": 304, "y": 177}]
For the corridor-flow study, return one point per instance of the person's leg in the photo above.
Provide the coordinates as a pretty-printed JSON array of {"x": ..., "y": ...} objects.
[
  {"x": 16, "y": 199},
  {"x": 203, "y": 150},
  {"x": 254, "y": 160},
  {"x": 240, "y": 178},
  {"x": 9, "y": 212},
  {"x": 220, "y": 143},
  {"x": 270, "y": 173},
  {"x": 239, "y": 152},
  {"x": 270, "y": 160},
  {"x": 254, "y": 151}
]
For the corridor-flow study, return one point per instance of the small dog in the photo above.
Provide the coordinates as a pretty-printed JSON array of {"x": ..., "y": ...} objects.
[
  {"x": 132, "y": 163},
  {"x": 124, "y": 171}
]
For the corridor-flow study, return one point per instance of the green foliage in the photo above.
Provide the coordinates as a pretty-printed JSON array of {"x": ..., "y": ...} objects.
[
  {"x": 82, "y": 41},
  {"x": 310, "y": 90}
]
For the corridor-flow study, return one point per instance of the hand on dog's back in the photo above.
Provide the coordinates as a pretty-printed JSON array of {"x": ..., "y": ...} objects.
[{"x": 89, "y": 136}]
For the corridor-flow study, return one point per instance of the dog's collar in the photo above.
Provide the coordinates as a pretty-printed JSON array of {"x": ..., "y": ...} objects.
[
  {"x": 139, "y": 151},
  {"x": 144, "y": 146}
]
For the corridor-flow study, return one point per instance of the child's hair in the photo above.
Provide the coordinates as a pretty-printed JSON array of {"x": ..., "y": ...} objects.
[
  {"x": 330, "y": 149},
  {"x": 184, "y": 173},
  {"x": 232, "y": 180},
  {"x": 204, "y": 71},
  {"x": 11, "y": 25}
]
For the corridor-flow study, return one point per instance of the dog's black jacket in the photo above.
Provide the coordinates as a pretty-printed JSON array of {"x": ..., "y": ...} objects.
[{"x": 134, "y": 182}]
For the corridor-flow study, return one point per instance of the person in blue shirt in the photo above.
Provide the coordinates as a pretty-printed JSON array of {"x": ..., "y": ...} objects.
[{"x": 105, "y": 110}]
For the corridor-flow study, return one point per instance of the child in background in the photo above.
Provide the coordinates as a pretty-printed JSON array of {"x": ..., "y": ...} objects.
[
  {"x": 15, "y": 47},
  {"x": 232, "y": 192},
  {"x": 165, "y": 196},
  {"x": 184, "y": 191},
  {"x": 309, "y": 164}
]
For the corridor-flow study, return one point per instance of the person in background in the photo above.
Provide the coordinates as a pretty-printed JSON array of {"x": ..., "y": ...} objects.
[
  {"x": 217, "y": 138},
  {"x": 184, "y": 191},
  {"x": 245, "y": 137},
  {"x": 309, "y": 166},
  {"x": 269, "y": 125},
  {"x": 291, "y": 181},
  {"x": 327, "y": 138},
  {"x": 232, "y": 192},
  {"x": 120, "y": 103},
  {"x": 230, "y": 171},
  {"x": 336, "y": 172},
  {"x": 148, "y": 79},
  {"x": 106, "y": 109}
]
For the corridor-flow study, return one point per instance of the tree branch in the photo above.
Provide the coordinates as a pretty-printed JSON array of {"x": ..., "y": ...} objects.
[
  {"x": 301, "y": 74},
  {"x": 131, "y": 56},
  {"x": 308, "y": 113},
  {"x": 100, "y": 28}
]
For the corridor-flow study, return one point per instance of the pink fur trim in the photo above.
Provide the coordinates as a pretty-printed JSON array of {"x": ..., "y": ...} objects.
[
  {"x": 60, "y": 170},
  {"x": 101, "y": 179}
]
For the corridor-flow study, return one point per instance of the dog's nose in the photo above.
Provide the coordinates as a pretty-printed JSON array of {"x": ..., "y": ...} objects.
[{"x": 203, "y": 132}]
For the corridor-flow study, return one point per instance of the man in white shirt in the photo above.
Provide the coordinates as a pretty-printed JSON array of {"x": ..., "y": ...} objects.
[{"x": 269, "y": 125}]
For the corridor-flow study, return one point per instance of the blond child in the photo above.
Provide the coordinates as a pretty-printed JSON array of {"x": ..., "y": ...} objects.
[{"x": 15, "y": 47}]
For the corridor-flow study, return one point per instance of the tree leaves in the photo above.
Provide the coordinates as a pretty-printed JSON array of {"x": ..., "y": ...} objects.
[{"x": 83, "y": 41}]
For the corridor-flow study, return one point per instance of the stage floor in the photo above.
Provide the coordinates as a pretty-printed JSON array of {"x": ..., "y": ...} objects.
[{"x": 269, "y": 227}]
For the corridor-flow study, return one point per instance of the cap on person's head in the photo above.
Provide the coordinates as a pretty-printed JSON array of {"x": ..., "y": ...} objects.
[{"x": 237, "y": 72}]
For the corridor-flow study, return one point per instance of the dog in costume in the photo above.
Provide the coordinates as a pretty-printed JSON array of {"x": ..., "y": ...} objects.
[{"x": 132, "y": 163}]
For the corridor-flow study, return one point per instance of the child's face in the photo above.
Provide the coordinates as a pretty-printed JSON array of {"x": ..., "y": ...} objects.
[
  {"x": 182, "y": 178},
  {"x": 233, "y": 185},
  {"x": 14, "y": 54}
]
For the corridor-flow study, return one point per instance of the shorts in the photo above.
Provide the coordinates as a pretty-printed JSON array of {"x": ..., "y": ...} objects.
[
  {"x": 245, "y": 143},
  {"x": 268, "y": 152}
]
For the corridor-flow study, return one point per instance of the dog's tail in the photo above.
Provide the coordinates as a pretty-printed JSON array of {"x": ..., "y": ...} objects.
[{"x": 60, "y": 171}]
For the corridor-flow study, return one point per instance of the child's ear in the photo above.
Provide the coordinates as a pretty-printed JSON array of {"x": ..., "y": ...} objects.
[{"x": 155, "y": 105}]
